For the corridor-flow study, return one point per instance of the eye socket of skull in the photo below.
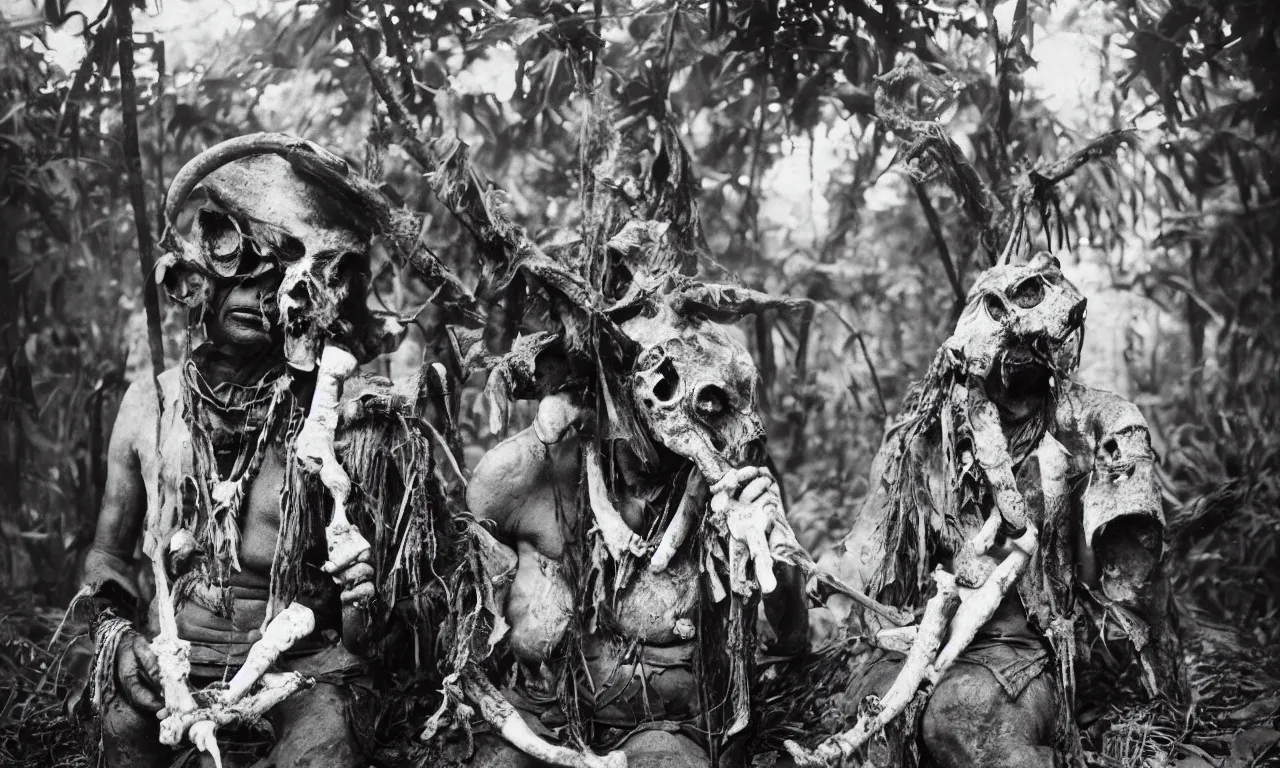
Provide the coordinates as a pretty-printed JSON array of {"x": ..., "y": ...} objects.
[
  {"x": 1028, "y": 293},
  {"x": 341, "y": 270},
  {"x": 995, "y": 306},
  {"x": 667, "y": 386},
  {"x": 221, "y": 241},
  {"x": 288, "y": 250},
  {"x": 711, "y": 402}
]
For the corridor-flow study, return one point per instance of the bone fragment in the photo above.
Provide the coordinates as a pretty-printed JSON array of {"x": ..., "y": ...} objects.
[
  {"x": 932, "y": 626},
  {"x": 618, "y": 537},
  {"x": 499, "y": 713},
  {"x": 275, "y": 688},
  {"x": 991, "y": 450},
  {"x": 172, "y": 653},
  {"x": 695, "y": 490},
  {"x": 898, "y": 639},
  {"x": 288, "y": 627},
  {"x": 315, "y": 451},
  {"x": 979, "y": 606}
]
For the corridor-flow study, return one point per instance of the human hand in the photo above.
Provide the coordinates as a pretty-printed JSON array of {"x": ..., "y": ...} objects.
[
  {"x": 751, "y": 504},
  {"x": 355, "y": 576},
  {"x": 137, "y": 673}
]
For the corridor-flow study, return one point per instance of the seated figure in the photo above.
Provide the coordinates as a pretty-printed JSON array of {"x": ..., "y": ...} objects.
[
  {"x": 1034, "y": 499},
  {"x": 642, "y": 528},
  {"x": 213, "y": 479}
]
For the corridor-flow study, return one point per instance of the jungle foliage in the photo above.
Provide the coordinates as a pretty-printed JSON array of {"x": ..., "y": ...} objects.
[{"x": 873, "y": 157}]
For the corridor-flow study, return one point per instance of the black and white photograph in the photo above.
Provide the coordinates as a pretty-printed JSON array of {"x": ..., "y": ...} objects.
[{"x": 639, "y": 383}]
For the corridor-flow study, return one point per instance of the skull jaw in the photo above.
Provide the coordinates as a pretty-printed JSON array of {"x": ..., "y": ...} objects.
[{"x": 690, "y": 442}]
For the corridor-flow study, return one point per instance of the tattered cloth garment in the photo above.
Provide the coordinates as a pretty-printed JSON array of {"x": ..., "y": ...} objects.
[{"x": 232, "y": 425}]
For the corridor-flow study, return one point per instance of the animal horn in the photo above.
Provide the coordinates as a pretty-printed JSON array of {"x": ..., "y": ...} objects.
[{"x": 213, "y": 158}]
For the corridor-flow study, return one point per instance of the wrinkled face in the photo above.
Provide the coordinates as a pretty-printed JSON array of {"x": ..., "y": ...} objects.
[
  {"x": 1018, "y": 321},
  {"x": 241, "y": 312},
  {"x": 696, "y": 388}
]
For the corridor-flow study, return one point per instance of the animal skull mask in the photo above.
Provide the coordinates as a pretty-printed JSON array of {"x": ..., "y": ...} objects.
[
  {"x": 696, "y": 389},
  {"x": 1017, "y": 314},
  {"x": 277, "y": 202}
]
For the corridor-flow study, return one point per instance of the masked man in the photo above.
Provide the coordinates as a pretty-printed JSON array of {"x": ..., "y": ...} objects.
[
  {"x": 642, "y": 532},
  {"x": 1023, "y": 502},
  {"x": 212, "y": 479}
]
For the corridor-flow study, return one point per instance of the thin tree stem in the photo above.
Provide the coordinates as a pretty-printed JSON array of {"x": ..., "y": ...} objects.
[
  {"x": 944, "y": 253},
  {"x": 137, "y": 194}
]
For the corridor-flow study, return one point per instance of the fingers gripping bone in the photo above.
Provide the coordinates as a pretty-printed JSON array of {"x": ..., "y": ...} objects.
[
  {"x": 315, "y": 452},
  {"x": 933, "y": 626},
  {"x": 925, "y": 662},
  {"x": 748, "y": 498},
  {"x": 617, "y": 536},
  {"x": 499, "y": 713},
  {"x": 232, "y": 705},
  {"x": 200, "y": 724}
]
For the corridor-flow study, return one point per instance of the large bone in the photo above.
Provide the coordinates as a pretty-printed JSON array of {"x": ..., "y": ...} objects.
[
  {"x": 288, "y": 627},
  {"x": 315, "y": 451},
  {"x": 681, "y": 524},
  {"x": 980, "y": 605},
  {"x": 500, "y": 714},
  {"x": 199, "y": 724},
  {"x": 914, "y": 671},
  {"x": 925, "y": 663},
  {"x": 173, "y": 654},
  {"x": 618, "y": 537}
]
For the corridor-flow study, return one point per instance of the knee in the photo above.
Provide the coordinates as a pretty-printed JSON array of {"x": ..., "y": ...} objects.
[
  {"x": 130, "y": 737},
  {"x": 660, "y": 749},
  {"x": 315, "y": 730},
  {"x": 971, "y": 721}
]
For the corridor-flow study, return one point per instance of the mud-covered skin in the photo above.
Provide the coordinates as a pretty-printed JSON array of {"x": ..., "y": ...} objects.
[
  {"x": 142, "y": 481},
  {"x": 529, "y": 490},
  {"x": 1013, "y": 348},
  {"x": 526, "y": 487}
]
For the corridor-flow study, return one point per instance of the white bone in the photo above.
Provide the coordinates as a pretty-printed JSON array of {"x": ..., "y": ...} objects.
[
  {"x": 499, "y": 713},
  {"x": 315, "y": 451},
  {"x": 288, "y": 627},
  {"x": 681, "y": 524},
  {"x": 617, "y": 536}
]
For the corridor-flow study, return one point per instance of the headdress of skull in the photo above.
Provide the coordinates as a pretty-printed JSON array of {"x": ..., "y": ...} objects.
[
  {"x": 1018, "y": 314},
  {"x": 276, "y": 201},
  {"x": 694, "y": 385},
  {"x": 696, "y": 388}
]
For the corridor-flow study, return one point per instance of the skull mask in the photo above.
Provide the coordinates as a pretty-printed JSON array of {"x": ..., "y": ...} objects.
[
  {"x": 281, "y": 203},
  {"x": 1017, "y": 316},
  {"x": 696, "y": 389}
]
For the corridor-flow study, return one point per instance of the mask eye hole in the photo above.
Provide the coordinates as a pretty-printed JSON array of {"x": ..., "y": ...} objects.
[
  {"x": 289, "y": 249},
  {"x": 221, "y": 240},
  {"x": 712, "y": 401},
  {"x": 666, "y": 386},
  {"x": 1029, "y": 292},
  {"x": 995, "y": 307}
]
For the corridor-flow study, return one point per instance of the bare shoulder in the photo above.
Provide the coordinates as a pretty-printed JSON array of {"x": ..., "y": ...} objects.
[{"x": 515, "y": 471}]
